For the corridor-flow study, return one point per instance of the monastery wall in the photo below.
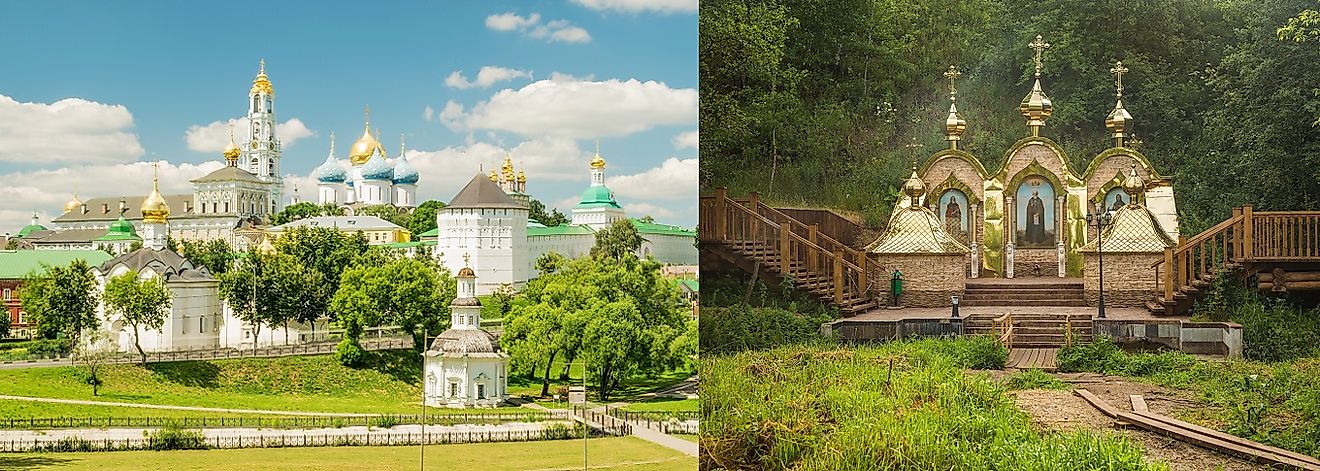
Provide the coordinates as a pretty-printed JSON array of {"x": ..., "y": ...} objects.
[
  {"x": 1129, "y": 280},
  {"x": 928, "y": 280}
]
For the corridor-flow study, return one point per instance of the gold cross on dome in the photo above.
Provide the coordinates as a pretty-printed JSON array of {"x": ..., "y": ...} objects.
[
  {"x": 465, "y": 259},
  {"x": 263, "y": 65},
  {"x": 366, "y": 114},
  {"x": 952, "y": 74},
  {"x": 1118, "y": 72},
  {"x": 914, "y": 147},
  {"x": 1040, "y": 46}
]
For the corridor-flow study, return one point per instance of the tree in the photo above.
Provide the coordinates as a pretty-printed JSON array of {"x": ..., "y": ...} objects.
[
  {"x": 326, "y": 251},
  {"x": 617, "y": 315},
  {"x": 294, "y": 212},
  {"x": 388, "y": 213},
  {"x": 272, "y": 290},
  {"x": 536, "y": 212},
  {"x": 62, "y": 300},
  {"x": 92, "y": 352},
  {"x": 216, "y": 255},
  {"x": 618, "y": 240},
  {"x": 407, "y": 292},
  {"x": 423, "y": 218},
  {"x": 142, "y": 303},
  {"x": 550, "y": 262},
  {"x": 4, "y": 325}
]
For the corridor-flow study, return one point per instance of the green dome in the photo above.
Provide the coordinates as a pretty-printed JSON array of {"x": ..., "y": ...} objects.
[
  {"x": 30, "y": 228},
  {"x": 120, "y": 230},
  {"x": 597, "y": 196}
]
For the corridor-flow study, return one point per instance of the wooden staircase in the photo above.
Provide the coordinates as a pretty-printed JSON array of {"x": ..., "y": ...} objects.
[
  {"x": 763, "y": 240},
  {"x": 1247, "y": 243},
  {"x": 1033, "y": 329},
  {"x": 1016, "y": 292}
]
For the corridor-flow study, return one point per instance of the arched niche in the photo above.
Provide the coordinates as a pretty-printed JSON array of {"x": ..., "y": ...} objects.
[
  {"x": 958, "y": 166},
  {"x": 1038, "y": 151},
  {"x": 1109, "y": 168},
  {"x": 1035, "y": 214}
]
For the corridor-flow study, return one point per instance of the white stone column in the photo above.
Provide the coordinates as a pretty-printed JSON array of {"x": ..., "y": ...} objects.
[
  {"x": 971, "y": 239},
  {"x": 1011, "y": 227},
  {"x": 1059, "y": 216}
]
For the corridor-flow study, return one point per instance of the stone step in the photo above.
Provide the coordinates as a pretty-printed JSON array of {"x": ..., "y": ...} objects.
[
  {"x": 1029, "y": 302},
  {"x": 979, "y": 296},
  {"x": 983, "y": 285}
]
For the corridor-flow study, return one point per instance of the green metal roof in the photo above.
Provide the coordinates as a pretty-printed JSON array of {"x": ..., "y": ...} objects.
[
  {"x": 431, "y": 233},
  {"x": 664, "y": 229},
  {"x": 15, "y": 264},
  {"x": 691, "y": 285},
  {"x": 562, "y": 229},
  {"x": 119, "y": 230},
  {"x": 597, "y": 196},
  {"x": 30, "y": 228},
  {"x": 415, "y": 243}
]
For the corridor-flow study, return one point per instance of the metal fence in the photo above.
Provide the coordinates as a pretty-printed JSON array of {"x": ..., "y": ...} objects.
[
  {"x": 661, "y": 421},
  {"x": 282, "y": 422},
  {"x": 302, "y": 440},
  {"x": 603, "y": 422}
]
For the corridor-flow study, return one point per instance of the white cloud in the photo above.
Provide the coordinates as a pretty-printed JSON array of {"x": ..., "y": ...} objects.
[
  {"x": 45, "y": 191},
  {"x": 687, "y": 140},
  {"x": 511, "y": 21},
  {"x": 639, "y": 6},
  {"x": 445, "y": 171},
  {"x": 531, "y": 26},
  {"x": 428, "y": 113},
  {"x": 213, "y": 137},
  {"x": 640, "y": 210},
  {"x": 673, "y": 179},
  {"x": 578, "y": 108},
  {"x": 69, "y": 130},
  {"x": 487, "y": 76}
]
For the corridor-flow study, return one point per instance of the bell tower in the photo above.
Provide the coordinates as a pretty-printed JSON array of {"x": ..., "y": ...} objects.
[{"x": 261, "y": 155}]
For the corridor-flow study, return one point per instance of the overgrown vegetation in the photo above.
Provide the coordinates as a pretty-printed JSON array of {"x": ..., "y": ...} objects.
[
  {"x": 172, "y": 437},
  {"x": 819, "y": 407},
  {"x": 742, "y": 314},
  {"x": 815, "y": 102},
  {"x": 1033, "y": 379},
  {"x": 1274, "y": 328},
  {"x": 1273, "y": 403}
]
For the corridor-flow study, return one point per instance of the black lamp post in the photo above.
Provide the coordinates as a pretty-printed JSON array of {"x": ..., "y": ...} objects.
[{"x": 1100, "y": 219}]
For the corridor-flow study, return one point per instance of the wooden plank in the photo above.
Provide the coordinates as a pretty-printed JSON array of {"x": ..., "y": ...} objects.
[
  {"x": 1230, "y": 438},
  {"x": 1212, "y": 442},
  {"x": 1104, "y": 407},
  {"x": 1138, "y": 403}
]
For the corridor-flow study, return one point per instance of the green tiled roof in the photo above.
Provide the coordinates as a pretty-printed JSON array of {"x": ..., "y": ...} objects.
[
  {"x": 663, "y": 229},
  {"x": 30, "y": 228},
  {"x": 431, "y": 233},
  {"x": 119, "y": 230},
  {"x": 691, "y": 285},
  {"x": 562, "y": 229},
  {"x": 597, "y": 196},
  {"x": 15, "y": 264}
]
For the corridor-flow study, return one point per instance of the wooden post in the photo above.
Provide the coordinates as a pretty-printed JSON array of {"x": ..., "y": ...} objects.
[
  {"x": 784, "y": 248},
  {"x": 754, "y": 201},
  {"x": 838, "y": 277},
  {"x": 861, "y": 272},
  {"x": 1168, "y": 274},
  {"x": 721, "y": 214},
  {"x": 1237, "y": 236},
  {"x": 811, "y": 237},
  {"x": 1184, "y": 259},
  {"x": 1247, "y": 249}
]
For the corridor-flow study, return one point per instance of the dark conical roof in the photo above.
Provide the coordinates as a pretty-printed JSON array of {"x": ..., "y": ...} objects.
[{"x": 482, "y": 193}]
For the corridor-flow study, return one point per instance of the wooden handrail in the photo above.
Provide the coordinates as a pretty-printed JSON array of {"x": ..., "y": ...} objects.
[{"x": 1004, "y": 324}]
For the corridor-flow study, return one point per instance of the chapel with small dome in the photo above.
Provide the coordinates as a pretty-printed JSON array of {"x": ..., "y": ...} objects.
[{"x": 464, "y": 366}]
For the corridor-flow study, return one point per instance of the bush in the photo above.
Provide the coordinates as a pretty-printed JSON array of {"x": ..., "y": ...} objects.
[
  {"x": 38, "y": 347},
  {"x": 385, "y": 421},
  {"x": 350, "y": 353},
  {"x": 1103, "y": 356},
  {"x": 171, "y": 437},
  {"x": 557, "y": 431},
  {"x": 1275, "y": 330},
  {"x": 66, "y": 444},
  {"x": 1034, "y": 379},
  {"x": 738, "y": 328}
]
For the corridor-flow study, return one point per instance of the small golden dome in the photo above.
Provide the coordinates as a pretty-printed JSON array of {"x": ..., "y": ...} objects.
[
  {"x": 493, "y": 176},
  {"x": 467, "y": 273},
  {"x": 361, "y": 151},
  {"x": 507, "y": 168},
  {"x": 73, "y": 205},
  {"x": 597, "y": 162},
  {"x": 261, "y": 84},
  {"x": 954, "y": 125},
  {"x": 522, "y": 177},
  {"x": 231, "y": 151},
  {"x": 154, "y": 208},
  {"x": 1133, "y": 185},
  {"x": 914, "y": 187},
  {"x": 1036, "y": 107}
]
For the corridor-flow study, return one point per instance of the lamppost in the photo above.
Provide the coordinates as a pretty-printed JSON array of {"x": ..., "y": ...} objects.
[{"x": 1100, "y": 219}]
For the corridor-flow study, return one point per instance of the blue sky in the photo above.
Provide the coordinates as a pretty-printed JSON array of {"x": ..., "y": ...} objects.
[{"x": 92, "y": 91}]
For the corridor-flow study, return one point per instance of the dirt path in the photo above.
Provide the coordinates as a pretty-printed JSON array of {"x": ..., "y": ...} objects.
[{"x": 1061, "y": 410}]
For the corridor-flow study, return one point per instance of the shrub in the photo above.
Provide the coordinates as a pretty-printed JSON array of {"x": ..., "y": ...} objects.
[
  {"x": 171, "y": 437},
  {"x": 350, "y": 353},
  {"x": 66, "y": 444},
  {"x": 1034, "y": 379},
  {"x": 557, "y": 431},
  {"x": 738, "y": 328},
  {"x": 385, "y": 421}
]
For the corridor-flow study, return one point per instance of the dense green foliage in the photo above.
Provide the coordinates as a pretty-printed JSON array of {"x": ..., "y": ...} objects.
[
  {"x": 1274, "y": 328},
  {"x": 324, "y": 250},
  {"x": 172, "y": 437},
  {"x": 536, "y": 212},
  {"x": 618, "y": 316},
  {"x": 423, "y": 217},
  {"x": 142, "y": 304},
  {"x": 815, "y": 102},
  {"x": 410, "y": 293},
  {"x": 61, "y": 301},
  {"x": 742, "y": 327},
  {"x": 1273, "y": 403},
  {"x": 618, "y": 240},
  {"x": 272, "y": 289},
  {"x": 216, "y": 255},
  {"x": 1033, "y": 379},
  {"x": 305, "y": 209},
  {"x": 820, "y": 407}
]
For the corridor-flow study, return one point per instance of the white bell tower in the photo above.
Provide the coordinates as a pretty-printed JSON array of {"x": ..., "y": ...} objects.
[{"x": 261, "y": 155}]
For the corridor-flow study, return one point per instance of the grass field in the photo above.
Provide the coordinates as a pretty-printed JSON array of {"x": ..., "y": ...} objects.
[
  {"x": 621, "y": 453},
  {"x": 823, "y": 407},
  {"x": 665, "y": 405}
]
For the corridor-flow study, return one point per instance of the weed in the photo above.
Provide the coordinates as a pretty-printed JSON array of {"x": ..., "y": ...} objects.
[{"x": 1033, "y": 379}]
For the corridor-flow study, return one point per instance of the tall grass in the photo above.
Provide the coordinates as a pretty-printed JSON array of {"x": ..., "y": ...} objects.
[
  {"x": 900, "y": 405},
  {"x": 1273, "y": 403}
]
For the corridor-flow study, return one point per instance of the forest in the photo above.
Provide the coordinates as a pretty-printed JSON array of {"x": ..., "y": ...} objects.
[{"x": 827, "y": 103}]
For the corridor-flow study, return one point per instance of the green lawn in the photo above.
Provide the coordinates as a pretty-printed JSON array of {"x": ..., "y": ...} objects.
[
  {"x": 664, "y": 404},
  {"x": 621, "y": 453},
  {"x": 388, "y": 385},
  {"x": 524, "y": 385}
]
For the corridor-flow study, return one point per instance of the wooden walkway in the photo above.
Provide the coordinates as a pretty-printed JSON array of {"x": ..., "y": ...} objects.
[
  {"x": 1027, "y": 358},
  {"x": 1201, "y": 436}
]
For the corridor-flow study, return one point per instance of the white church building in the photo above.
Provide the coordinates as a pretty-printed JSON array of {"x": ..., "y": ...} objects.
[{"x": 464, "y": 366}]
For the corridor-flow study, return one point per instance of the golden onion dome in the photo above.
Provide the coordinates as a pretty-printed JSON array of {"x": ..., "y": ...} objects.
[
  {"x": 1117, "y": 121},
  {"x": 493, "y": 176},
  {"x": 522, "y": 177},
  {"x": 361, "y": 151},
  {"x": 1133, "y": 185},
  {"x": 1036, "y": 107},
  {"x": 154, "y": 208},
  {"x": 261, "y": 84},
  {"x": 597, "y": 162},
  {"x": 73, "y": 205},
  {"x": 954, "y": 125},
  {"x": 914, "y": 187},
  {"x": 467, "y": 272},
  {"x": 231, "y": 151}
]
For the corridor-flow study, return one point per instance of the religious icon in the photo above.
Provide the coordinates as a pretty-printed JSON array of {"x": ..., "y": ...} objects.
[
  {"x": 1035, "y": 217},
  {"x": 1118, "y": 203},
  {"x": 1115, "y": 199},
  {"x": 955, "y": 214}
]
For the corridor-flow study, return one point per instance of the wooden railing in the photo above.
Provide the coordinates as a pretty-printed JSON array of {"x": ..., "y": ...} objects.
[
  {"x": 728, "y": 220},
  {"x": 1246, "y": 237},
  {"x": 829, "y": 223},
  {"x": 1003, "y": 326}
]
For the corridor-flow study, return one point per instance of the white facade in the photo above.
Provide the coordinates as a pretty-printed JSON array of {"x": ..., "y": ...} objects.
[
  {"x": 495, "y": 239},
  {"x": 194, "y": 321},
  {"x": 261, "y": 155},
  {"x": 367, "y": 177},
  {"x": 464, "y": 367}
]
